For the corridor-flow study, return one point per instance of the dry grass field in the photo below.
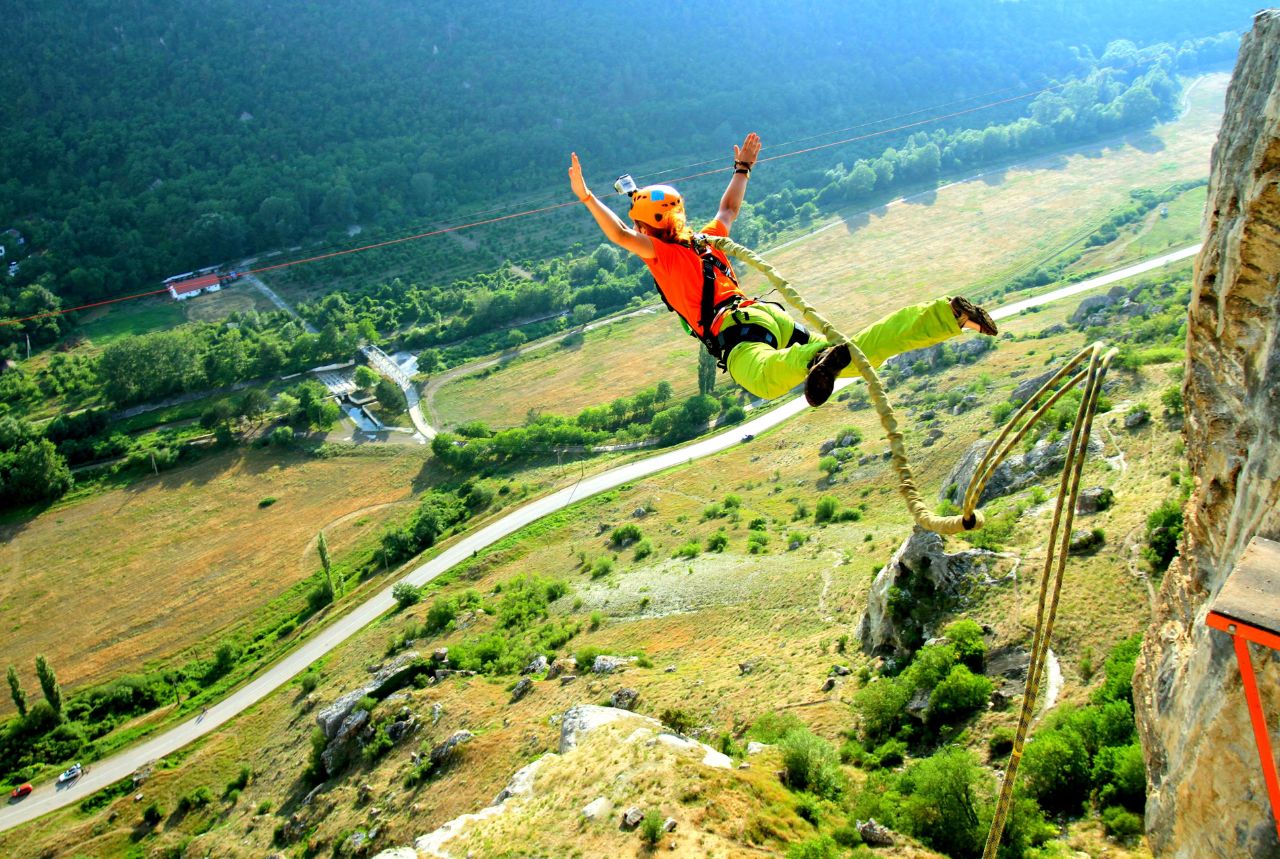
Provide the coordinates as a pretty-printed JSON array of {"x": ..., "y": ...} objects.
[
  {"x": 784, "y": 610},
  {"x": 963, "y": 238},
  {"x": 110, "y": 583}
]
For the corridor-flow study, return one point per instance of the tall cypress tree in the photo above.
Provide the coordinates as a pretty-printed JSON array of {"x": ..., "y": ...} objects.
[
  {"x": 335, "y": 582},
  {"x": 706, "y": 372},
  {"x": 49, "y": 684},
  {"x": 15, "y": 689}
]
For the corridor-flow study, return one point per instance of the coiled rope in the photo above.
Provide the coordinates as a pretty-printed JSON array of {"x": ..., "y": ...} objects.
[{"x": 1097, "y": 361}]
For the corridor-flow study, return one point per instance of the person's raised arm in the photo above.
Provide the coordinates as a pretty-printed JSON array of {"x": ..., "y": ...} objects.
[
  {"x": 610, "y": 224},
  {"x": 744, "y": 158}
]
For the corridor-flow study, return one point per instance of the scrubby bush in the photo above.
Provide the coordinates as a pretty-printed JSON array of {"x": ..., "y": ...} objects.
[
  {"x": 643, "y": 550},
  {"x": 966, "y": 637},
  {"x": 406, "y": 594},
  {"x": 651, "y": 827},
  {"x": 811, "y": 764},
  {"x": 625, "y": 535},
  {"x": 940, "y": 796},
  {"x": 153, "y": 814},
  {"x": 958, "y": 694},
  {"x": 1164, "y": 530},
  {"x": 678, "y": 719},
  {"x": 717, "y": 542},
  {"x": 1120, "y": 777},
  {"x": 822, "y": 847},
  {"x": 757, "y": 542},
  {"x": 1055, "y": 767},
  {"x": 1000, "y": 743},
  {"x": 601, "y": 567},
  {"x": 772, "y": 727},
  {"x": 689, "y": 550},
  {"x": 1121, "y": 824}
]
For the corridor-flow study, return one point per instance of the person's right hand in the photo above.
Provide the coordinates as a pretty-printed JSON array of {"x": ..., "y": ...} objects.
[{"x": 575, "y": 178}]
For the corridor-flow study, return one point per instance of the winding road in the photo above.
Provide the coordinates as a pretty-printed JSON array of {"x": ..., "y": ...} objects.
[{"x": 47, "y": 798}]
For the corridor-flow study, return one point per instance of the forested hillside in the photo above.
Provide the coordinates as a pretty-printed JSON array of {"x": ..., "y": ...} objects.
[{"x": 144, "y": 138}]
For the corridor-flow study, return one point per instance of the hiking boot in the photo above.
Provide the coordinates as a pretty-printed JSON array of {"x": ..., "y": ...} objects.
[
  {"x": 966, "y": 311},
  {"x": 821, "y": 380}
]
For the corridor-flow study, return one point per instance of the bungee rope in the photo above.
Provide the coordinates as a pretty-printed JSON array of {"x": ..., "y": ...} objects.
[{"x": 970, "y": 517}]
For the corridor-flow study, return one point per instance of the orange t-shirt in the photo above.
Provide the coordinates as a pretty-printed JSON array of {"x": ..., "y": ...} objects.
[{"x": 678, "y": 272}]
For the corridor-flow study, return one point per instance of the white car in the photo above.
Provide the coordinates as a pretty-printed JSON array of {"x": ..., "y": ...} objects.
[{"x": 71, "y": 774}]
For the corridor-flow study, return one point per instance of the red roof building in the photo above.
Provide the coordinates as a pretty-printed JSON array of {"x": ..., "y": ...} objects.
[{"x": 194, "y": 286}]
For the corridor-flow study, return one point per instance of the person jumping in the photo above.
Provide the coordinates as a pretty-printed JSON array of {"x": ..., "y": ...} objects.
[{"x": 762, "y": 347}]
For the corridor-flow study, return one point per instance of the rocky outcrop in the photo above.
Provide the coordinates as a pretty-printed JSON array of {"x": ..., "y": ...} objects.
[
  {"x": 925, "y": 575},
  {"x": 607, "y": 759},
  {"x": 1206, "y": 794},
  {"x": 1015, "y": 473},
  {"x": 386, "y": 680}
]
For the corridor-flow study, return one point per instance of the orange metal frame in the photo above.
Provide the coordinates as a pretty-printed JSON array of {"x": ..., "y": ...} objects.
[{"x": 1241, "y": 634}]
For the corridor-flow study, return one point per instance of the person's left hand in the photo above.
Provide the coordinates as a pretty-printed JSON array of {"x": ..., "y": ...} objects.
[
  {"x": 576, "y": 181},
  {"x": 749, "y": 151}
]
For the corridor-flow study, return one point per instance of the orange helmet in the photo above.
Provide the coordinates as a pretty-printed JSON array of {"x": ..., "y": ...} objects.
[{"x": 655, "y": 205}]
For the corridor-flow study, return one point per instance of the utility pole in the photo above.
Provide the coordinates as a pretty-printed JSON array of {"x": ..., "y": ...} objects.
[{"x": 153, "y": 464}]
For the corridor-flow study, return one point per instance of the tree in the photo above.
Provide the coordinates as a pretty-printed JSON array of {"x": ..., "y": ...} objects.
[
  {"x": 406, "y": 594},
  {"x": 365, "y": 378},
  {"x": 663, "y": 392},
  {"x": 49, "y": 684},
  {"x": 336, "y": 583},
  {"x": 583, "y": 313},
  {"x": 706, "y": 372},
  {"x": 15, "y": 689},
  {"x": 38, "y": 473},
  {"x": 389, "y": 395}
]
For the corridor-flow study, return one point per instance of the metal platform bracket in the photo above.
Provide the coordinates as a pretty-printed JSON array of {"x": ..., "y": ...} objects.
[{"x": 1248, "y": 609}]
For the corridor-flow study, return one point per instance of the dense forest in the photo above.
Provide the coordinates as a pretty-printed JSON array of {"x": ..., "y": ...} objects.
[{"x": 146, "y": 138}]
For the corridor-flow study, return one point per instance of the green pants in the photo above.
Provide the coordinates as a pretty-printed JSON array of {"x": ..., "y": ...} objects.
[{"x": 768, "y": 372}]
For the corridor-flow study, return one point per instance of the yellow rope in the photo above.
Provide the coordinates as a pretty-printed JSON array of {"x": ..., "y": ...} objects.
[{"x": 970, "y": 517}]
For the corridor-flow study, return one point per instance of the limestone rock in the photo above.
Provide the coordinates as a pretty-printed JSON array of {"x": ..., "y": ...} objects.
[
  {"x": 446, "y": 752},
  {"x": 523, "y": 688},
  {"x": 1016, "y": 472},
  {"x": 921, "y": 570},
  {"x": 1090, "y": 306},
  {"x": 631, "y": 817},
  {"x": 1093, "y": 499},
  {"x": 624, "y": 699},
  {"x": 754, "y": 748},
  {"x": 1028, "y": 387},
  {"x": 609, "y": 664},
  {"x": 1083, "y": 542},
  {"x": 1136, "y": 418},
  {"x": 597, "y": 809},
  {"x": 386, "y": 680},
  {"x": 537, "y": 665},
  {"x": 338, "y": 752},
  {"x": 669, "y": 825},
  {"x": 563, "y": 665},
  {"x": 874, "y": 834},
  {"x": 1206, "y": 795}
]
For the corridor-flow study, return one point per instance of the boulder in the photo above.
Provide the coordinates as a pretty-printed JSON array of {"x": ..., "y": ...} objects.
[
  {"x": 446, "y": 752},
  {"x": 605, "y": 664},
  {"x": 537, "y": 665},
  {"x": 1083, "y": 542},
  {"x": 563, "y": 665},
  {"x": 624, "y": 699},
  {"x": 397, "y": 731},
  {"x": 1094, "y": 499},
  {"x": 566, "y": 679},
  {"x": 1010, "y": 662},
  {"x": 523, "y": 688},
  {"x": 1028, "y": 387},
  {"x": 754, "y": 748},
  {"x": 1136, "y": 418},
  {"x": 919, "y": 704},
  {"x": 631, "y": 817},
  {"x": 669, "y": 825},
  {"x": 1089, "y": 307},
  {"x": 840, "y": 670},
  {"x": 597, "y": 809},
  {"x": 826, "y": 447},
  {"x": 874, "y": 834},
  {"x": 967, "y": 402}
]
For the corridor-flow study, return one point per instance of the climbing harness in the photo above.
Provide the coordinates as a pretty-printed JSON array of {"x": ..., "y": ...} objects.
[{"x": 1089, "y": 367}]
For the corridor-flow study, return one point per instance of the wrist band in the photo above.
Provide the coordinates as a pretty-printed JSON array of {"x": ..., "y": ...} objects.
[{"x": 743, "y": 171}]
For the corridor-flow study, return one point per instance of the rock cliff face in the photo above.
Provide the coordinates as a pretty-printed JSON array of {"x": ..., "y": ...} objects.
[{"x": 1206, "y": 793}]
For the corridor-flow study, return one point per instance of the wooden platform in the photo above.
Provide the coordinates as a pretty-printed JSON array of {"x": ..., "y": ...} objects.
[{"x": 1251, "y": 594}]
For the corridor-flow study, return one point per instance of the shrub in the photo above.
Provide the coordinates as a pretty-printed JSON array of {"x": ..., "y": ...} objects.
[
  {"x": 625, "y": 535},
  {"x": 643, "y": 550},
  {"x": 281, "y": 437},
  {"x": 406, "y": 594},
  {"x": 811, "y": 764},
  {"x": 966, "y": 637},
  {"x": 153, "y": 814},
  {"x": 1056, "y": 770},
  {"x": 939, "y": 805},
  {"x": 1120, "y": 824},
  {"x": 601, "y": 567},
  {"x": 717, "y": 542},
  {"x": 1000, "y": 743},
  {"x": 678, "y": 719},
  {"x": 1164, "y": 530},
  {"x": 267, "y": 502},
  {"x": 689, "y": 550},
  {"x": 441, "y": 613},
  {"x": 822, "y": 847},
  {"x": 757, "y": 542},
  {"x": 890, "y": 753},
  {"x": 1120, "y": 776},
  {"x": 828, "y": 465},
  {"x": 651, "y": 827},
  {"x": 807, "y": 809},
  {"x": 1172, "y": 400},
  {"x": 879, "y": 706},
  {"x": 960, "y": 693},
  {"x": 241, "y": 781},
  {"x": 826, "y": 510},
  {"x": 1119, "y": 670},
  {"x": 772, "y": 727}
]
